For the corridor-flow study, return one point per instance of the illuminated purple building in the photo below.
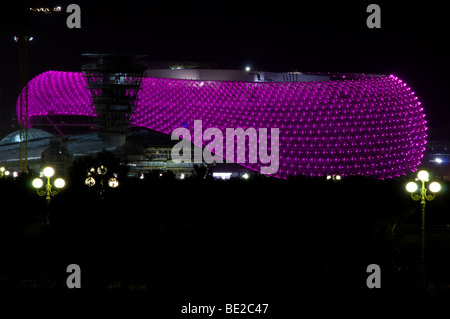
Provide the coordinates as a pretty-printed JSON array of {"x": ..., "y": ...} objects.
[{"x": 370, "y": 125}]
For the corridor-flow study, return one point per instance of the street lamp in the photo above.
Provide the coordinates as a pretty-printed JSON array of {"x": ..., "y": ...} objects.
[
  {"x": 412, "y": 187},
  {"x": 48, "y": 192},
  {"x": 101, "y": 171},
  {"x": 334, "y": 177}
]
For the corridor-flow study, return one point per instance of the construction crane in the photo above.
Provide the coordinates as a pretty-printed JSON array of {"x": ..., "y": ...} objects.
[{"x": 23, "y": 39}]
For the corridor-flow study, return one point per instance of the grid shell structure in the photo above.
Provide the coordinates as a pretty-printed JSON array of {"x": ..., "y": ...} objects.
[{"x": 363, "y": 125}]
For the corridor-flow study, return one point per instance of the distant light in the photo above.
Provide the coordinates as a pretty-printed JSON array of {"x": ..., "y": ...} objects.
[
  {"x": 328, "y": 177},
  {"x": 247, "y": 68},
  {"x": 2, "y": 169},
  {"x": 37, "y": 183},
  {"x": 202, "y": 83},
  {"x": 7, "y": 173},
  {"x": 411, "y": 187},
  {"x": 435, "y": 187},
  {"x": 141, "y": 176},
  {"x": 16, "y": 38},
  {"x": 15, "y": 174},
  {"x": 222, "y": 175},
  {"x": 182, "y": 176},
  {"x": 438, "y": 160},
  {"x": 245, "y": 176},
  {"x": 59, "y": 183},
  {"x": 48, "y": 172},
  {"x": 338, "y": 177},
  {"x": 30, "y": 39}
]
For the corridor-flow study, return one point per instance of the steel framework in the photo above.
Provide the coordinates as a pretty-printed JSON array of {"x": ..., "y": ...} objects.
[{"x": 114, "y": 80}]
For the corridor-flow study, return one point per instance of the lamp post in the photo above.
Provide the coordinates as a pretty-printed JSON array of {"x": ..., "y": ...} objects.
[
  {"x": 100, "y": 172},
  {"x": 334, "y": 177},
  {"x": 38, "y": 183},
  {"x": 412, "y": 187}
]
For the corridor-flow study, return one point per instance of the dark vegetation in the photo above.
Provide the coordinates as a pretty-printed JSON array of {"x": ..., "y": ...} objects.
[{"x": 195, "y": 237}]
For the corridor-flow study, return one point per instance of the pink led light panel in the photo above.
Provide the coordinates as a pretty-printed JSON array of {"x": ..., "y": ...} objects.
[{"x": 372, "y": 126}]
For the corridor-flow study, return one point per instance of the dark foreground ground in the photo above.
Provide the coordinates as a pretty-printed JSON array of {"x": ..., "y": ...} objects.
[{"x": 205, "y": 242}]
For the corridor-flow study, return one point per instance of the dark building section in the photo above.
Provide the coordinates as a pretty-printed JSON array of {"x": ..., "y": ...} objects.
[
  {"x": 114, "y": 80},
  {"x": 57, "y": 156},
  {"x": 8, "y": 120},
  {"x": 64, "y": 125}
]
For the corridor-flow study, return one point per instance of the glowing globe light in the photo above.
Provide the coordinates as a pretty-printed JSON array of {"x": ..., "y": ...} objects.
[
  {"x": 90, "y": 181},
  {"x": 48, "y": 172},
  {"x": 113, "y": 182},
  {"x": 37, "y": 183},
  {"x": 423, "y": 176},
  {"x": 435, "y": 187},
  {"x": 411, "y": 187},
  {"x": 102, "y": 170},
  {"x": 59, "y": 183}
]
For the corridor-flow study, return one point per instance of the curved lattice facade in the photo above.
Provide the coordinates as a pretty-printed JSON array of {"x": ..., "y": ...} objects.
[{"x": 367, "y": 125}]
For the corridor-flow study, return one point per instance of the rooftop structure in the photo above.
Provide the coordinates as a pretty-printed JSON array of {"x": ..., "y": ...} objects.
[{"x": 33, "y": 134}]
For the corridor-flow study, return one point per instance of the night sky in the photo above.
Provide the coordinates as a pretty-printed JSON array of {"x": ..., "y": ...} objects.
[{"x": 309, "y": 36}]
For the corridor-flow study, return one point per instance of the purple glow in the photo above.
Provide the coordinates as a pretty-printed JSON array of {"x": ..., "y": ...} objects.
[{"x": 371, "y": 126}]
